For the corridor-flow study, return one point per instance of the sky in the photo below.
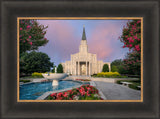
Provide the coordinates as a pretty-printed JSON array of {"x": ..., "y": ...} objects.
[{"x": 65, "y": 36}]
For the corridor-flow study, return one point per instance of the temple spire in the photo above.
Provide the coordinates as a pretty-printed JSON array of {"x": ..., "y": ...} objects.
[{"x": 84, "y": 34}]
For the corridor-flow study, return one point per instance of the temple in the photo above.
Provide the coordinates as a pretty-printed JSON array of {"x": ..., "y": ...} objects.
[{"x": 83, "y": 62}]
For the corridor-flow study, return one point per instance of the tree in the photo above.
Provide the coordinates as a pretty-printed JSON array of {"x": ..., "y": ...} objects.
[
  {"x": 35, "y": 62},
  {"x": 114, "y": 68},
  {"x": 132, "y": 63},
  {"x": 105, "y": 68},
  {"x": 60, "y": 68},
  {"x": 131, "y": 37},
  {"x": 31, "y": 35},
  {"x": 116, "y": 64}
]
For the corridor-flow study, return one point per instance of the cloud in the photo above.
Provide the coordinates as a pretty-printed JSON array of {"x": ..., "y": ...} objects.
[
  {"x": 62, "y": 41},
  {"x": 104, "y": 40}
]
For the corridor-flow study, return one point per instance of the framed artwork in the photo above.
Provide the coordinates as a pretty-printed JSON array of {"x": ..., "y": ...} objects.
[
  {"x": 82, "y": 77},
  {"x": 79, "y": 59}
]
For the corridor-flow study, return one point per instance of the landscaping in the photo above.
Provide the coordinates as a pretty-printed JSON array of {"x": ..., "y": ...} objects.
[
  {"x": 37, "y": 75},
  {"x": 85, "y": 92},
  {"x": 134, "y": 85},
  {"x": 109, "y": 75}
]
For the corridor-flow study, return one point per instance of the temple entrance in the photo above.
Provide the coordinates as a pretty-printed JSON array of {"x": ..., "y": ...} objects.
[{"x": 83, "y": 69}]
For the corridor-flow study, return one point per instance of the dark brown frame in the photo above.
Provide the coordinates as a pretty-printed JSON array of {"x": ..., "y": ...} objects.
[{"x": 11, "y": 9}]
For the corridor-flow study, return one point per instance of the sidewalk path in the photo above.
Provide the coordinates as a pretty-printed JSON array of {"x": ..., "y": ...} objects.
[{"x": 114, "y": 91}]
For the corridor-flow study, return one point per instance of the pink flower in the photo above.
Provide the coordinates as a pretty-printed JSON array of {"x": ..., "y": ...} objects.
[
  {"x": 137, "y": 47},
  {"x": 45, "y": 38},
  {"x": 28, "y": 27},
  {"x": 30, "y": 43},
  {"x": 29, "y": 37},
  {"x": 131, "y": 41},
  {"x": 138, "y": 21},
  {"x": 130, "y": 45},
  {"x": 20, "y": 29},
  {"x": 135, "y": 37},
  {"x": 24, "y": 41}
]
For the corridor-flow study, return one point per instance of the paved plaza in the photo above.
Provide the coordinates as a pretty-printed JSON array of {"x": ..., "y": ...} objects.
[{"x": 114, "y": 91}]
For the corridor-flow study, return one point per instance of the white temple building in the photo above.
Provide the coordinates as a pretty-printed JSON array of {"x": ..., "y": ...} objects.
[{"x": 83, "y": 62}]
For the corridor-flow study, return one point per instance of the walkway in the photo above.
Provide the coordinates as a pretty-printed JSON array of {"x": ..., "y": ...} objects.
[{"x": 114, "y": 91}]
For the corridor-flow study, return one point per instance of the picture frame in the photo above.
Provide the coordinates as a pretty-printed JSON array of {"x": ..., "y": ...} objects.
[
  {"x": 79, "y": 18},
  {"x": 10, "y": 108}
]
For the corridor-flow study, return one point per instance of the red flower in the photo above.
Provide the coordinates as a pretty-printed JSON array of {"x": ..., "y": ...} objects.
[
  {"x": 65, "y": 94},
  {"x": 53, "y": 94},
  {"x": 29, "y": 37},
  {"x": 20, "y": 29},
  {"x": 69, "y": 91},
  {"x": 59, "y": 94}
]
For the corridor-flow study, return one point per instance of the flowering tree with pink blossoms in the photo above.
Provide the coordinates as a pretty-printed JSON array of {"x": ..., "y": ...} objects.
[
  {"x": 31, "y": 35},
  {"x": 131, "y": 37}
]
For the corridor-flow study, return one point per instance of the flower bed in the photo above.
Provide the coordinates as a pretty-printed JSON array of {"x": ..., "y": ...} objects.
[
  {"x": 83, "y": 79},
  {"x": 85, "y": 92}
]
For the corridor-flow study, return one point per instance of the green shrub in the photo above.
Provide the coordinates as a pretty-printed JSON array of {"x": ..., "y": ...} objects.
[
  {"x": 133, "y": 86},
  {"x": 108, "y": 74},
  {"x": 37, "y": 75}
]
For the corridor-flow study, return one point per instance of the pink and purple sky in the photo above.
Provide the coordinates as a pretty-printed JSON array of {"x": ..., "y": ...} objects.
[{"x": 102, "y": 38}]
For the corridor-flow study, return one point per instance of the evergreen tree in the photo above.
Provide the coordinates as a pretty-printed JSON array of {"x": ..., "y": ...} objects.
[
  {"x": 105, "y": 68},
  {"x": 60, "y": 68}
]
